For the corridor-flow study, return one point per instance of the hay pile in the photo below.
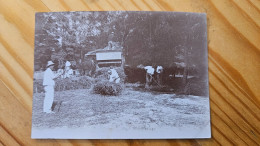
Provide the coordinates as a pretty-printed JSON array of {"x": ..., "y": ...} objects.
[
  {"x": 82, "y": 82},
  {"x": 107, "y": 88}
]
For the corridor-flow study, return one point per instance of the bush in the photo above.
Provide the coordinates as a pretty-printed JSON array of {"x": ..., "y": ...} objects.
[
  {"x": 82, "y": 82},
  {"x": 107, "y": 88},
  {"x": 101, "y": 74},
  {"x": 134, "y": 75}
]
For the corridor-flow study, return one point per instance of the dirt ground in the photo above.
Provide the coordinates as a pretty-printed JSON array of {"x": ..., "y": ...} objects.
[{"x": 130, "y": 110}]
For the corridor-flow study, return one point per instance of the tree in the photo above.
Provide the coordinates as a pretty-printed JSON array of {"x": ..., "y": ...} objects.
[{"x": 73, "y": 32}]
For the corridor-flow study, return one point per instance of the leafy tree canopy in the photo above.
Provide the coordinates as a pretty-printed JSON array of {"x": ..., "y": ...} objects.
[{"x": 161, "y": 38}]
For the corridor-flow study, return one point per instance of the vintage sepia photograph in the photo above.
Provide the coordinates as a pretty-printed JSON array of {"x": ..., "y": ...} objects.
[{"x": 120, "y": 75}]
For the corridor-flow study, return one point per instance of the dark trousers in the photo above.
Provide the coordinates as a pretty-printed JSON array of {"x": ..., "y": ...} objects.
[
  {"x": 159, "y": 79},
  {"x": 149, "y": 80}
]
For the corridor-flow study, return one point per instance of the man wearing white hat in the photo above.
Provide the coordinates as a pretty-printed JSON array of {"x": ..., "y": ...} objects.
[{"x": 48, "y": 84}]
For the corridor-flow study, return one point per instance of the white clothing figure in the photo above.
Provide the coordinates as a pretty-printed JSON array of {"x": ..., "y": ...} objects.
[
  {"x": 48, "y": 77},
  {"x": 159, "y": 69},
  {"x": 48, "y": 100},
  {"x": 61, "y": 72},
  {"x": 149, "y": 70},
  {"x": 149, "y": 76},
  {"x": 113, "y": 76},
  {"x": 48, "y": 83},
  {"x": 68, "y": 71},
  {"x": 159, "y": 75}
]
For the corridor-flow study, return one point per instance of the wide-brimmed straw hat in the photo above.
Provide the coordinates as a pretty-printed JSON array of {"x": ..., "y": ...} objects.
[{"x": 50, "y": 63}]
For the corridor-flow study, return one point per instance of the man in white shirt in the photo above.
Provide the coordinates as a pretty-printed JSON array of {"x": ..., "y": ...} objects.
[
  {"x": 149, "y": 75},
  {"x": 68, "y": 71},
  {"x": 159, "y": 71},
  {"x": 48, "y": 84},
  {"x": 113, "y": 76}
]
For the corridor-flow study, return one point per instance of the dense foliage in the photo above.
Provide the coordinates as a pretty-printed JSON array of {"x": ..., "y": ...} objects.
[
  {"x": 161, "y": 38},
  {"x": 176, "y": 41}
]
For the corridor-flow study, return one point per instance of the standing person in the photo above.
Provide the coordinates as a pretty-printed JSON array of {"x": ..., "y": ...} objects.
[
  {"x": 113, "y": 76},
  {"x": 149, "y": 75},
  {"x": 159, "y": 71},
  {"x": 48, "y": 84},
  {"x": 68, "y": 71}
]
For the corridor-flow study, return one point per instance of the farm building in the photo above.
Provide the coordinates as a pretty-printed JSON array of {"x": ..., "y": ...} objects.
[{"x": 109, "y": 56}]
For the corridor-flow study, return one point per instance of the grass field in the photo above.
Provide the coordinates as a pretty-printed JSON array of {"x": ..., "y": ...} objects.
[{"x": 130, "y": 110}]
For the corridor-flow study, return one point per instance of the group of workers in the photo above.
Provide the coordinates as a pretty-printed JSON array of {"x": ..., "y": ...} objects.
[
  {"x": 49, "y": 83},
  {"x": 153, "y": 74},
  {"x": 67, "y": 72},
  {"x": 49, "y": 76}
]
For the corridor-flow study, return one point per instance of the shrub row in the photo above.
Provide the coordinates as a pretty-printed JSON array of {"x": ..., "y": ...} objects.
[{"x": 82, "y": 82}]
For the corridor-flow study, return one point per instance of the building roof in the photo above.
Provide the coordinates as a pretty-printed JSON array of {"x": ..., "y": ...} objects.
[
  {"x": 100, "y": 51},
  {"x": 116, "y": 47},
  {"x": 111, "y": 55}
]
